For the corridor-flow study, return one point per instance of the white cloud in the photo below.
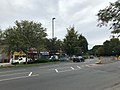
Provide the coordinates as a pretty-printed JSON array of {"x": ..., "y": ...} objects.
[{"x": 80, "y": 13}]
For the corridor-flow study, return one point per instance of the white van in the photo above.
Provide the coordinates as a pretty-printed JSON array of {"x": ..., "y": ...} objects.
[{"x": 19, "y": 60}]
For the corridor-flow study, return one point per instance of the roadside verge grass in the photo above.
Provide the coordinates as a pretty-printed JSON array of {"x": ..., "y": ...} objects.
[{"x": 32, "y": 64}]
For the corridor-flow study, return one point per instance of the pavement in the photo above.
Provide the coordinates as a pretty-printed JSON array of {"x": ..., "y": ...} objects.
[{"x": 107, "y": 60}]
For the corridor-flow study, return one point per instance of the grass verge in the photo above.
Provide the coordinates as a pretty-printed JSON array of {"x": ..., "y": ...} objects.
[{"x": 33, "y": 64}]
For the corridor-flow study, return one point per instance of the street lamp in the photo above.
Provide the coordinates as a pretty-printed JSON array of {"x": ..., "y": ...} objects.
[{"x": 53, "y": 27}]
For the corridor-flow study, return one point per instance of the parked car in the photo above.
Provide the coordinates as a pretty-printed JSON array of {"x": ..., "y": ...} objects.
[
  {"x": 91, "y": 57},
  {"x": 64, "y": 59},
  {"x": 78, "y": 59},
  {"x": 20, "y": 60},
  {"x": 54, "y": 57}
]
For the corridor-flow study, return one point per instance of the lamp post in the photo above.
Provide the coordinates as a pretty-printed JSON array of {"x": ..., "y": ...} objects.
[{"x": 53, "y": 27}]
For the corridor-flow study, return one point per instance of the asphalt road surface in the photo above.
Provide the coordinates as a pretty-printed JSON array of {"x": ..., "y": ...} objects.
[{"x": 63, "y": 76}]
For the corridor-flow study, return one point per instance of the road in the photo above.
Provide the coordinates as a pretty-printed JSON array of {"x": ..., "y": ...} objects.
[{"x": 63, "y": 76}]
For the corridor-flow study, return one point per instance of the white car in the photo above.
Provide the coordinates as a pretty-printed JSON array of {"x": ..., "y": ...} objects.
[{"x": 19, "y": 60}]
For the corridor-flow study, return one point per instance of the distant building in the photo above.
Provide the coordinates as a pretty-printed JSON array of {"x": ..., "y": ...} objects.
[{"x": 34, "y": 54}]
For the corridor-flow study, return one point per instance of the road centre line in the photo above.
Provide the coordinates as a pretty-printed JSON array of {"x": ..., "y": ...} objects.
[
  {"x": 17, "y": 78},
  {"x": 65, "y": 71},
  {"x": 14, "y": 74},
  {"x": 59, "y": 68}
]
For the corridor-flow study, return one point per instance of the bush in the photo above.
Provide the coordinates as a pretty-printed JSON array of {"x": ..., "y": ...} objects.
[{"x": 41, "y": 61}]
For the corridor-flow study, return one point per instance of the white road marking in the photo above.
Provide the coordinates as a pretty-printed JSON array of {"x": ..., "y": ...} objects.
[
  {"x": 87, "y": 65},
  {"x": 30, "y": 74},
  {"x": 79, "y": 67},
  {"x": 72, "y": 68},
  {"x": 56, "y": 70},
  {"x": 17, "y": 78},
  {"x": 60, "y": 68},
  {"x": 65, "y": 71}
]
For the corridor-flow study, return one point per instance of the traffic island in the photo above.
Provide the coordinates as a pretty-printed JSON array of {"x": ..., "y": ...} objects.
[
  {"x": 106, "y": 60},
  {"x": 99, "y": 62}
]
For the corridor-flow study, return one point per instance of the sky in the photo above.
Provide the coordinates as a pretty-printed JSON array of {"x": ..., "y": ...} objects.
[{"x": 78, "y": 13}]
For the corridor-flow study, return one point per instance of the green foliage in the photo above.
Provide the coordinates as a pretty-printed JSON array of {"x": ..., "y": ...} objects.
[
  {"x": 53, "y": 45},
  {"x": 75, "y": 43},
  {"x": 109, "y": 47},
  {"x": 25, "y": 35},
  {"x": 117, "y": 31},
  {"x": 100, "y": 51},
  {"x": 94, "y": 51},
  {"x": 110, "y": 15}
]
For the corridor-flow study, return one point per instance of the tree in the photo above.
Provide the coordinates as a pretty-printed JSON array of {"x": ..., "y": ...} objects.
[
  {"x": 24, "y": 35},
  {"x": 112, "y": 47},
  {"x": 117, "y": 31},
  {"x": 70, "y": 41},
  {"x": 75, "y": 44},
  {"x": 83, "y": 43},
  {"x": 53, "y": 45},
  {"x": 100, "y": 51},
  {"x": 110, "y": 15},
  {"x": 109, "y": 47},
  {"x": 114, "y": 44},
  {"x": 94, "y": 51}
]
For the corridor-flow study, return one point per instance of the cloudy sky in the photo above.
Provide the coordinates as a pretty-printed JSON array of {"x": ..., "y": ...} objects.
[{"x": 80, "y": 13}]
